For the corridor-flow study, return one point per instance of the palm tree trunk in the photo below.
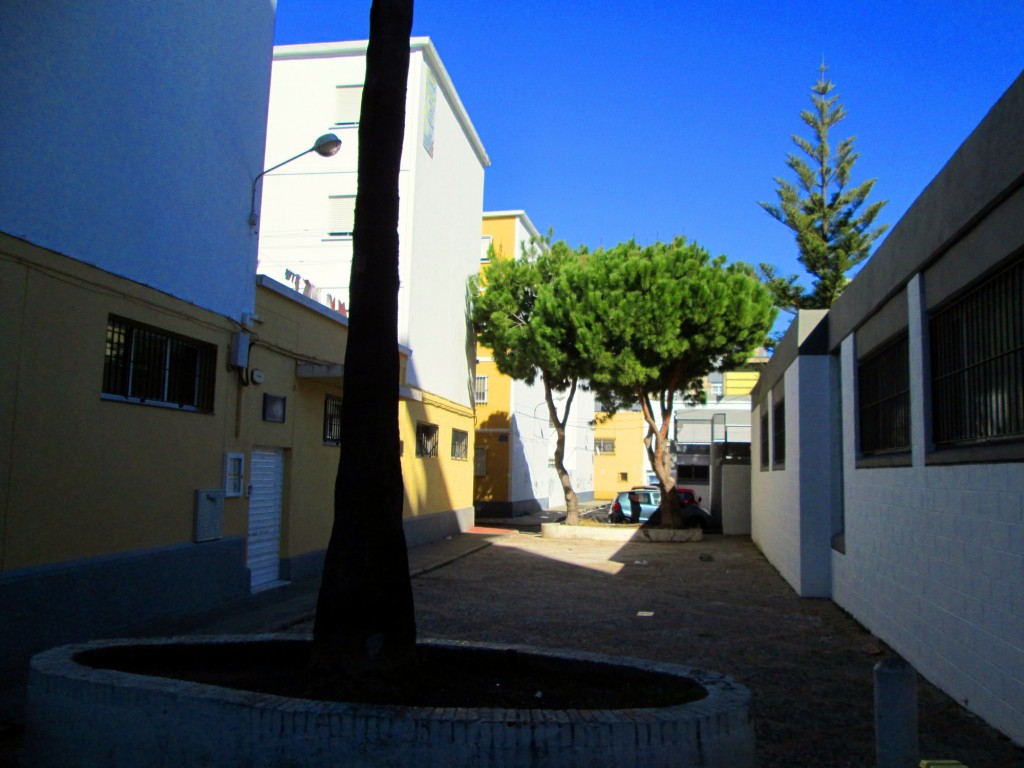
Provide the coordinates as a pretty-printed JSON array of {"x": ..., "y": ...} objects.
[{"x": 365, "y": 629}]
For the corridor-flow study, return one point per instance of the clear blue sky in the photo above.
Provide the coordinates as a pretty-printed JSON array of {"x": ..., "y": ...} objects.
[{"x": 609, "y": 121}]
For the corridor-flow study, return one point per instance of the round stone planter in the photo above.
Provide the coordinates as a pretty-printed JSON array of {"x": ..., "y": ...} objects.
[{"x": 81, "y": 715}]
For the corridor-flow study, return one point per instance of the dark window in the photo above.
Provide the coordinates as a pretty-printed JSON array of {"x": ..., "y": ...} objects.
[
  {"x": 693, "y": 472},
  {"x": 460, "y": 444},
  {"x": 332, "y": 420},
  {"x": 426, "y": 440},
  {"x": 977, "y": 363},
  {"x": 765, "y": 435},
  {"x": 883, "y": 398},
  {"x": 604, "y": 446},
  {"x": 147, "y": 365},
  {"x": 779, "y": 433}
]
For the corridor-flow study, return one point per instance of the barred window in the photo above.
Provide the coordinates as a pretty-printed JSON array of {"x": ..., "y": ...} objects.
[
  {"x": 426, "y": 440},
  {"x": 480, "y": 390},
  {"x": 144, "y": 364},
  {"x": 977, "y": 363},
  {"x": 883, "y": 398},
  {"x": 779, "y": 434},
  {"x": 332, "y": 420},
  {"x": 765, "y": 435},
  {"x": 460, "y": 445},
  {"x": 604, "y": 446}
]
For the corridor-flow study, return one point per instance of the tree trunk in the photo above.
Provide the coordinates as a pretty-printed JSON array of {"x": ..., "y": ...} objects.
[
  {"x": 572, "y": 502},
  {"x": 365, "y": 629},
  {"x": 671, "y": 512}
]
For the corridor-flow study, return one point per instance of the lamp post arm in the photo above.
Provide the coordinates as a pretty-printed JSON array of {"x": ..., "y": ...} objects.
[{"x": 253, "y": 218}]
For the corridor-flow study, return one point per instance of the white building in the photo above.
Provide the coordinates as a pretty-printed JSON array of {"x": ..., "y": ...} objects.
[
  {"x": 308, "y": 205},
  {"x": 888, "y": 467}
]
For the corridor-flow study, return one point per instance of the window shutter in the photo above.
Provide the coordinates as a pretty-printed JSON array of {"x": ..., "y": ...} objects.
[
  {"x": 341, "y": 215},
  {"x": 347, "y": 104}
]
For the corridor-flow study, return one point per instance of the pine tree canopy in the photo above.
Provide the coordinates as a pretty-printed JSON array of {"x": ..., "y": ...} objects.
[{"x": 834, "y": 228}]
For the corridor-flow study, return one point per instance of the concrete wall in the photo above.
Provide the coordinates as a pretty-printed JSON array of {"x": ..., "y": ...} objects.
[{"x": 131, "y": 139}]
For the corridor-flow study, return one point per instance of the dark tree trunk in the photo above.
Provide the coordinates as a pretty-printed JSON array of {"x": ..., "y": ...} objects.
[
  {"x": 365, "y": 630},
  {"x": 572, "y": 502}
]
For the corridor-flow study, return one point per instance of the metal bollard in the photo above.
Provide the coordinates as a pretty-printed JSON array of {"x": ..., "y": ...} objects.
[{"x": 895, "y": 714}]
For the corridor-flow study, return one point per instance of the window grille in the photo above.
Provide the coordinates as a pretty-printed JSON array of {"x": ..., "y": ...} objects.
[
  {"x": 480, "y": 462},
  {"x": 332, "y": 420},
  {"x": 604, "y": 446},
  {"x": 426, "y": 441},
  {"x": 883, "y": 398},
  {"x": 460, "y": 445},
  {"x": 341, "y": 215},
  {"x": 779, "y": 433},
  {"x": 480, "y": 390},
  {"x": 147, "y": 365},
  {"x": 977, "y": 362},
  {"x": 765, "y": 435}
]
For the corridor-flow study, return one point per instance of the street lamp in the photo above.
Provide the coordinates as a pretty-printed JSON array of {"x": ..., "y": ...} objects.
[{"x": 325, "y": 146}]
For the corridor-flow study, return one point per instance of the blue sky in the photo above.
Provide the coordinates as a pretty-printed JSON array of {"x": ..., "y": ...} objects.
[{"x": 609, "y": 121}]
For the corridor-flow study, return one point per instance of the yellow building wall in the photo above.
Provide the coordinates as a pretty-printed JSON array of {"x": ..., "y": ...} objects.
[
  {"x": 89, "y": 476},
  {"x": 740, "y": 382},
  {"x": 614, "y": 472},
  {"x": 444, "y": 482},
  {"x": 86, "y": 476},
  {"x": 502, "y": 232}
]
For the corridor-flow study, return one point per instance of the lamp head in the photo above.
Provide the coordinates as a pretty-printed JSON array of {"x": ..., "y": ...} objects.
[{"x": 327, "y": 145}]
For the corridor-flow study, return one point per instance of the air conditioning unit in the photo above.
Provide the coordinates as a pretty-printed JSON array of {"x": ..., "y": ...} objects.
[{"x": 208, "y": 523}]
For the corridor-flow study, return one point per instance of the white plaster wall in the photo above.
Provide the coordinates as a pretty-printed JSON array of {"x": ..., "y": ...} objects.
[
  {"x": 441, "y": 201},
  {"x": 131, "y": 138},
  {"x": 443, "y": 232},
  {"x": 791, "y": 508},
  {"x": 532, "y": 445}
]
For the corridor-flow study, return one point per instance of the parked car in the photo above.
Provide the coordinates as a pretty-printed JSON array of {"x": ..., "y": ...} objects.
[{"x": 649, "y": 501}]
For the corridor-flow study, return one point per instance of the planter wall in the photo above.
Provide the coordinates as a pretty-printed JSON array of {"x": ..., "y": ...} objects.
[{"x": 82, "y": 716}]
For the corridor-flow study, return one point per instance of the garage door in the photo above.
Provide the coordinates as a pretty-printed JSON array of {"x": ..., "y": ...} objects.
[{"x": 264, "y": 550}]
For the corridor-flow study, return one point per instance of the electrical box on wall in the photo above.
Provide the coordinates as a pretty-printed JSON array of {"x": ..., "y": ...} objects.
[
  {"x": 238, "y": 355},
  {"x": 209, "y": 515}
]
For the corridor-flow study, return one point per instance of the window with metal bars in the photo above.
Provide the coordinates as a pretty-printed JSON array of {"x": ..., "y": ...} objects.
[
  {"x": 148, "y": 365},
  {"x": 604, "y": 446},
  {"x": 977, "y": 362},
  {"x": 883, "y": 398},
  {"x": 332, "y": 420},
  {"x": 779, "y": 434},
  {"x": 460, "y": 445},
  {"x": 426, "y": 441},
  {"x": 480, "y": 390},
  {"x": 765, "y": 435}
]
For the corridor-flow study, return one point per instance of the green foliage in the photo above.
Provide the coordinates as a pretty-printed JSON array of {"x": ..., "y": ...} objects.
[
  {"x": 833, "y": 233},
  {"x": 669, "y": 314},
  {"x": 527, "y": 311}
]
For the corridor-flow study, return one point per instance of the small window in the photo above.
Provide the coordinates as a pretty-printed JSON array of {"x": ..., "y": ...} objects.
[
  {"x": 480, "y": 390},
  {"x": 144, "y": 364},
  {"x": 883, "y": 398},
  {"x": 623, "y": 477},
  {"x": 779, "y": 434},
  {"x": 765, "y": 435},
  {"x": 977, "y": 363},
  {"x": 551, "y": 463},
  {"x": 332, "y": 420},
  {"x": 693, "y": 472},
  {"x": 347, "y": 104},
  {"x": 341, "y": 215},
  {"x": 480, "y": 461},
  {"x": 604, "y": 446},
  {"x": 460, "y": 445},
  {"x": 426, "y": 441}
]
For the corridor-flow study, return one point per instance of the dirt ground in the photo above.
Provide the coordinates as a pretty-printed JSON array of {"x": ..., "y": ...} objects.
[{"x": 716, "y": 605}]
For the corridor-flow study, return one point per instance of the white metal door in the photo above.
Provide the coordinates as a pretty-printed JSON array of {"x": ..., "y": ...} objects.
[{"x": 266, "y": 472}]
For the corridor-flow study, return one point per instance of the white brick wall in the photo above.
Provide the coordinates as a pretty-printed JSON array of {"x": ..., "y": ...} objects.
[{"x": 934, "y": 565}]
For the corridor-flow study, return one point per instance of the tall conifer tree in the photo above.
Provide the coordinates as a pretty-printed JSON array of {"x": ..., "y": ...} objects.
[{"x": 833, "y": 232}]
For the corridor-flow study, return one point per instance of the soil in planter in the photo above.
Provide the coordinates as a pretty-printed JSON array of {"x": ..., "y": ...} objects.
[{"x": 445, "y": 677}]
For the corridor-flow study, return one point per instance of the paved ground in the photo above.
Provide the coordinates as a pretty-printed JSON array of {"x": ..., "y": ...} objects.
[{"x": 717, "y": 605}]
